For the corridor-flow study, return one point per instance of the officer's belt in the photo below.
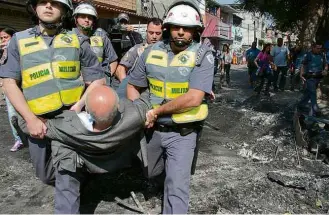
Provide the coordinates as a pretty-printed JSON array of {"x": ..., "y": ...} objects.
[{"x": 183, "y": 129}]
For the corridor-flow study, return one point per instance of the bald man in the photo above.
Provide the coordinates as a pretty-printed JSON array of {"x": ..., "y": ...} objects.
[
  {"x": 102, "y": 105},
  {"x": 102, "y": 139}
]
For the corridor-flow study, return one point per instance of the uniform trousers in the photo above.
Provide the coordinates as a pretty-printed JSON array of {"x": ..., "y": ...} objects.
[
  {"x": 67, "y": 184},
  {"x": 295, "y": 79},
  {"x": 173, "y": 153},
  {"x": 310, "y": 94}
]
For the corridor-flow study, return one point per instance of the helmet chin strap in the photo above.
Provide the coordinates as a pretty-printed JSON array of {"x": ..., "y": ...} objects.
[
  {"x": 86, "y": 29},
  {"x": 51, "y": 26},
  {"x": 181, "y": 43}
]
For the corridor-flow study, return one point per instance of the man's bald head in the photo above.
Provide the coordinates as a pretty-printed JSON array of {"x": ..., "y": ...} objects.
[{"x": 102, "y": 104}]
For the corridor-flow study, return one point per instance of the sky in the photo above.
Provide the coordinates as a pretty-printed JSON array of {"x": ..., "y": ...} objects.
[{"x": 226, "y": 1}]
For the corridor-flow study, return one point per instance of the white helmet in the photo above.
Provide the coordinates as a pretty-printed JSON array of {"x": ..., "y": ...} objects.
[
  {"x": 67, "y": 3},
  {"x": 183, "y": 15},
  {"x": 85, "y": 9}
]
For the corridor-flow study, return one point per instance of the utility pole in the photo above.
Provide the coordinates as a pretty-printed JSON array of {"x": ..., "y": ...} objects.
[
  {"x": 248, "y": 35},
  {"x": 255, "y": 39}
]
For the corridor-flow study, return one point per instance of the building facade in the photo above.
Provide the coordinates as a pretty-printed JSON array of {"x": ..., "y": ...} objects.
[
  {"x": 253, "y": 28},
  {"x": 13, "y": 15},
  {"x": 13, "y": 12},
  {"x": 211, "y": 19},
  {"x": 109, "y": 9}
]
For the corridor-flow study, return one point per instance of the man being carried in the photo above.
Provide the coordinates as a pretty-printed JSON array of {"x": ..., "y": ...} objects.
[{"x": 102, "y": 139}]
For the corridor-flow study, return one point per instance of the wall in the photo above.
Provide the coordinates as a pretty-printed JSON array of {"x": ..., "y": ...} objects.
[
  {"x": 14, "y": 16},
  {"x": 211, "y": 26},
  {"x": 125, "y": 4},
  {"x": 248, "y": 34}
]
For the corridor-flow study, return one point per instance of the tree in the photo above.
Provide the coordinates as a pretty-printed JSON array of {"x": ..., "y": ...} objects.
[{"x": 308, "y": 18}]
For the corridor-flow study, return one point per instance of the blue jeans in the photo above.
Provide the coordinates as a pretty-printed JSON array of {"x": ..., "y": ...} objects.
[
  {"x": 283, "y": 70},
  {"x": 12, "y": 112},
  {"x": 310, "y": 94}
]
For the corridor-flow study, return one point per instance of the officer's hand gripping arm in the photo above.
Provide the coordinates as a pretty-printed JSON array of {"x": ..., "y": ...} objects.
[
  {"x": 113, "y": 67},
  {"x": 121, "y": 72},
  {"x": 35, "y": 126}
]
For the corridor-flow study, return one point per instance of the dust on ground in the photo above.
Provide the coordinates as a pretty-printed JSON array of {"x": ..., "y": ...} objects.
[{"x": 248, "y": 163}]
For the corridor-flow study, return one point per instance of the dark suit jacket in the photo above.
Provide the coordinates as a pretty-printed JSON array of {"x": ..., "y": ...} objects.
[{"x": 74, "y": 146}]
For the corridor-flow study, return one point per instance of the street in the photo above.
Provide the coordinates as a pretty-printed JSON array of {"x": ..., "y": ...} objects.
[{"x": 248, "y": 163}]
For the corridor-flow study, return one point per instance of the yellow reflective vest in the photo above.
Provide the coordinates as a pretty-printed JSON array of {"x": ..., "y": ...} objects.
[
  {"x": 50, "y": 74},
  {"x": 170, "y": 79},
  {"x": 97, "y": 44}
]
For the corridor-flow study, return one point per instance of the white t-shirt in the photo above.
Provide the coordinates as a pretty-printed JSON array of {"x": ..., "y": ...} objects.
[
  {"x": 227, "y": 58},
  {"x": 280, "y": 55},
  {"x": 86, "y": 120}
]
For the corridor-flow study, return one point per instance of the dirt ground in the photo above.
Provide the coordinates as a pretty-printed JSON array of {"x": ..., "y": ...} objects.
[{"x": 248, "y": 163}]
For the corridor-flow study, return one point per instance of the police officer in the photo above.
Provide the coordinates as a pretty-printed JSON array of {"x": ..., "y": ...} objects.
[
  {"x": 153, "y": 35},
  {"x": 42, "y": 78},
  {"x": 178, "y": 72},
  {"x": 123, "y": 38},
  {"x": 123, "y": 19},
  {"x": 85, "y": 16},
  {"x": 297, "y": 59},
  {"x": 312, "y": 71}
]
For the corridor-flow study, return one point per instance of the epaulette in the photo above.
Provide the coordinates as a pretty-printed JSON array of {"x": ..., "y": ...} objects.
[{"x": 202, "y": 51}]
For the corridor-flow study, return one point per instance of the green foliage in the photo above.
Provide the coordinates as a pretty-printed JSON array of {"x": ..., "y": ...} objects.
[
  {"x": 211, "y": 3},
  {"x": 293, "y": 15},
  {"x": 286, "y": 13}
]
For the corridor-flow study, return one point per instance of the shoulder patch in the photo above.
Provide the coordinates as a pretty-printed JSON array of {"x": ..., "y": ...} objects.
[
  {"x": 210, "y": 58},
  {"x": 202, "y": 52},
  {"x": 83, "y": 38}
]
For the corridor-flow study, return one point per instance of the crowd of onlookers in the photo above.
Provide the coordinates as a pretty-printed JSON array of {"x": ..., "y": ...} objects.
[
  {"x": 274, "y": 65},
  {"x": 5, "y": 36}
]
